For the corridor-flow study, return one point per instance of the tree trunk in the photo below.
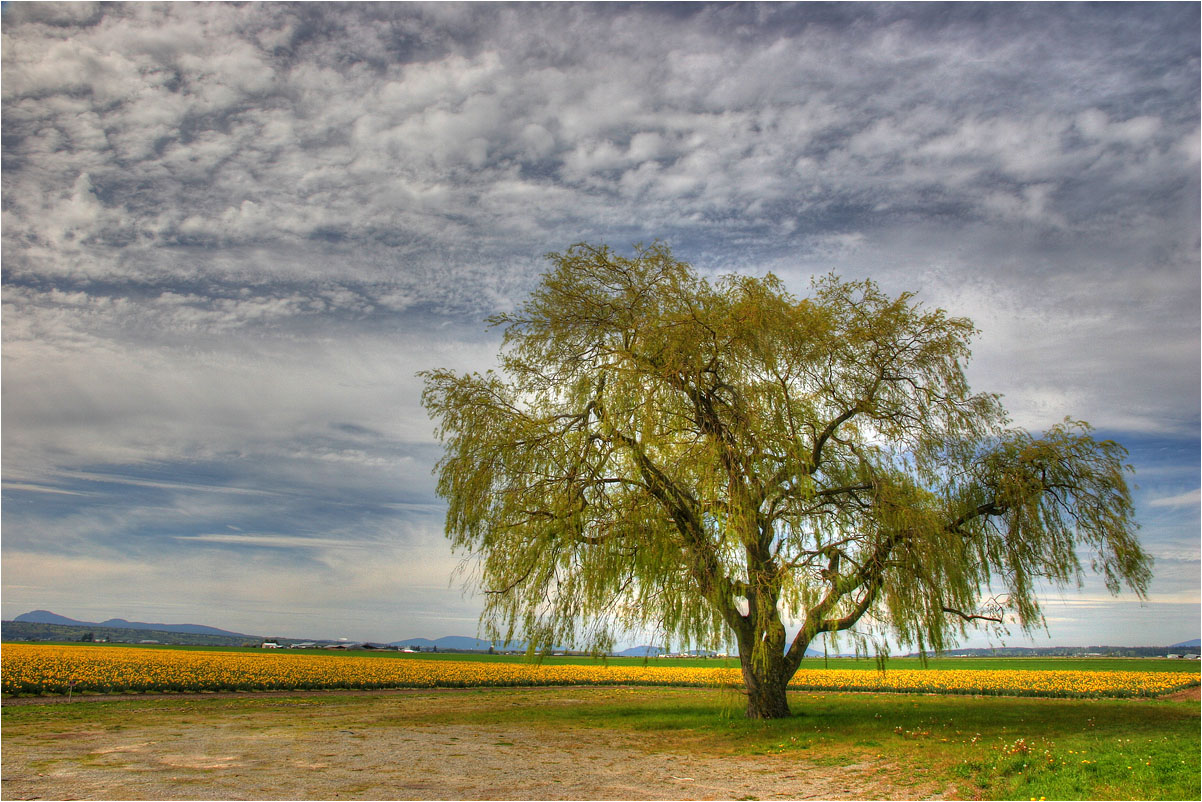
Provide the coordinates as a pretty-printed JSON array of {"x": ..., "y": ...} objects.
[{"x": 766, "y": 681}]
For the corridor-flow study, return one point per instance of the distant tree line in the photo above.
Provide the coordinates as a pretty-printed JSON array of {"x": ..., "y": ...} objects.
[{"x": 1068, "y": 651}]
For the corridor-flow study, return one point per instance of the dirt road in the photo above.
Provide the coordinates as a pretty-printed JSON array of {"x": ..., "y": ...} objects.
[{"x": 389, "y": 747}]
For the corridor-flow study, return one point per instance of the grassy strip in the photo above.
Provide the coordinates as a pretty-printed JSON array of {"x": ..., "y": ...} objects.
[{"x": 984, "y": 748}]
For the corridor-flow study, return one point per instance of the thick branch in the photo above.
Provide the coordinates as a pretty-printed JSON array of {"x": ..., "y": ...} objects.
[
  {"x": 870, "y": 574},
  {"x": 849, "y": 620},
  {"x": 827, "y": 433},
  {"x": 988, "y": 508}
]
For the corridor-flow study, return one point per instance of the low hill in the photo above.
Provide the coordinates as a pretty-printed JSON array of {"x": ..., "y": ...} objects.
[
  {"x": 37, "y": 631},
  {"x": 47, "y": 617}
]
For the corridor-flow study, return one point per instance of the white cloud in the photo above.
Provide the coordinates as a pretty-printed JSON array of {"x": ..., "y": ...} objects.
[
  {"x": 273, "y": 541},
  {"x": 1189, "y": 499},
  {"x": 90, "y": 392},
  {"x": 230, "y": 228}
]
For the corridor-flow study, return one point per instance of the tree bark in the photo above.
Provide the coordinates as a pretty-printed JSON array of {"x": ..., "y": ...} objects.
[{"x": 766, "y": 680}]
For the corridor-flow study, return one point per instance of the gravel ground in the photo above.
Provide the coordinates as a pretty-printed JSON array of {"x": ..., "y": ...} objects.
[
  {"x": 430, "y": 762},
  {"x": 362, "y": 747}
]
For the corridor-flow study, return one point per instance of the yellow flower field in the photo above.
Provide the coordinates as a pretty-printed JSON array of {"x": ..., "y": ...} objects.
[{"x": 56, "y": 669}]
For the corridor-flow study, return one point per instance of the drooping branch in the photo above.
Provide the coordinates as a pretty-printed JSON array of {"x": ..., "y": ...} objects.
[
  {"x": 972, "y": 616},
  {"x": 682, "y": 508}
]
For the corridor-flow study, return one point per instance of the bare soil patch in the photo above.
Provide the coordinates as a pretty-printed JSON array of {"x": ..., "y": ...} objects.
[
  {"x": 1193, "y": 694},
  {"x": 386, "y": 746},
  {"x": 428, "y": 762}
]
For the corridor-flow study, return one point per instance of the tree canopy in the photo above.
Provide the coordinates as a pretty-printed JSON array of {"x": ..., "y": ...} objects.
[{"x": 717, "y": 460}]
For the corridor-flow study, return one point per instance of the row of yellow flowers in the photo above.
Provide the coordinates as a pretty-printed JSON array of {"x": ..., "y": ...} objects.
[{"x": 57, "y": 669}]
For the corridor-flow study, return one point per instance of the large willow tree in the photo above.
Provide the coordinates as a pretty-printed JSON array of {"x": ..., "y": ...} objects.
[{"x": 715, "y": 459}]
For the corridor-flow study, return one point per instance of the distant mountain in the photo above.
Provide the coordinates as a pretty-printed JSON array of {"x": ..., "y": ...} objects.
[
  {"x": 1196, "y": 643},
  {"x": 191, "y": 629},
  {"x": 33, "y": 631},
  {"x": 47, "y": 617}
]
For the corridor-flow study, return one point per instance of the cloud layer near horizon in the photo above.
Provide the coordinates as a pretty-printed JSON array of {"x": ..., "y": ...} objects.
[{"x": 232, "y": 234}]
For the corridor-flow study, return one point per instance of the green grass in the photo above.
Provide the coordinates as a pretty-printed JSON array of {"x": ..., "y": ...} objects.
[
  {"x": 987, "y": 748},
  {"x": 990, "y": 748}
]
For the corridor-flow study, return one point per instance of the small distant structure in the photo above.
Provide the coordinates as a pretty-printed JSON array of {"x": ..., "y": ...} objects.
[{"x": 270, "y": 643}]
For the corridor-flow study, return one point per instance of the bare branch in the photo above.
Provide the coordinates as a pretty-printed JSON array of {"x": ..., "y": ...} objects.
[{"x": 972, "y": 616}]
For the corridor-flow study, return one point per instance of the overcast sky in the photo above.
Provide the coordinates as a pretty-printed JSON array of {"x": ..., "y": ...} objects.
[{"x": 233, "y": 234}]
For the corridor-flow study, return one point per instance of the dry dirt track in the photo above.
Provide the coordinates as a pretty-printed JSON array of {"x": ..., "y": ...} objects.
[
  {"x": 318, "y": 751},
  {"x": 440, "y": 762}
]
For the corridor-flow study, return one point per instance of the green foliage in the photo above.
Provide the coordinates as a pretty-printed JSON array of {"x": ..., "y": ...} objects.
[{"x": 714, "y": 458}]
